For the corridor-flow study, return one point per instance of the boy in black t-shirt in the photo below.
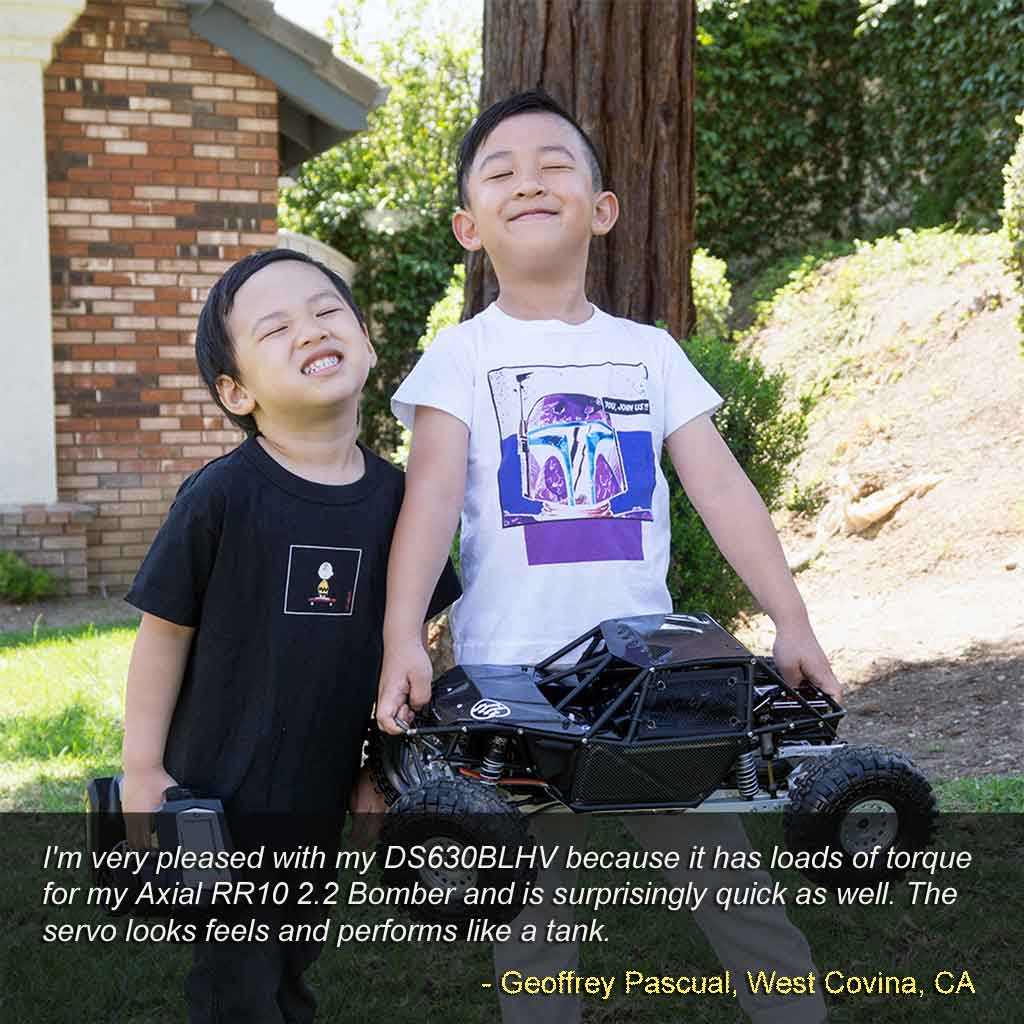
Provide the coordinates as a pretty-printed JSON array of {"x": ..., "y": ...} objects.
[{"x": 255, "y": 667}]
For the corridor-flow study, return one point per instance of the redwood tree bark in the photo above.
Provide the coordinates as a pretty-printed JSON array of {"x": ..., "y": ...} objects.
[{"x": 625, "y": 70}]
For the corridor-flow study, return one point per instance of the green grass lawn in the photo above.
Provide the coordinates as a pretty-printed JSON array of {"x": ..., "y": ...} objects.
[
  {"x": 61, "y": 698},
  {"x": 61, "y": 713}
]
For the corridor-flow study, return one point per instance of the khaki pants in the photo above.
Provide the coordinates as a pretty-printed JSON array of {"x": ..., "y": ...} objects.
[{"x": 749, "y": 938}]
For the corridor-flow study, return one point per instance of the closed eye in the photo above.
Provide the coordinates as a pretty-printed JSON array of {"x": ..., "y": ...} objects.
[
  {"x": 276, "y": 330},
  {"x": 500, "y": 174},
  {"x": 557, "y": 167},
  {"x": 328, "y": 312}
]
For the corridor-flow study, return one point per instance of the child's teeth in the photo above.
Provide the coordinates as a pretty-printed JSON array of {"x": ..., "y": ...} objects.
[{"x": 321, "y": 364}]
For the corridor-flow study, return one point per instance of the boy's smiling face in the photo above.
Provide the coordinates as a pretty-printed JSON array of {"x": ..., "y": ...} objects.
[
  {"x": 531, "y": 203},
  {"x": 301, "y": 353}
]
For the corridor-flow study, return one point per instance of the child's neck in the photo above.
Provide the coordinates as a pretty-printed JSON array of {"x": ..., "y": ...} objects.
[
  {"x": 323, "y": 453},
  {"x": 535, "y": 301}
]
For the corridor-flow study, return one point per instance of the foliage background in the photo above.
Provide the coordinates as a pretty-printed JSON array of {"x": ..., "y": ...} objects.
[{"x": 825, "y": 117}]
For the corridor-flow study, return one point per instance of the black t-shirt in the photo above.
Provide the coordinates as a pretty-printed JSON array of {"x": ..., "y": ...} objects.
[{"x": 284, "y": 580}]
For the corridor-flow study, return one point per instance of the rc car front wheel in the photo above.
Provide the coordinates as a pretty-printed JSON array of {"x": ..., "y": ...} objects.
[
  {"x": 858, "y": 800},
  {"x": 457, "y": 835}
]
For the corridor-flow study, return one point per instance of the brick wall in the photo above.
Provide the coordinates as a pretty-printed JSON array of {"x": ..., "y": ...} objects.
[
  {"x": 50, "y": 537},
  {"x": 162, "y": 167}
]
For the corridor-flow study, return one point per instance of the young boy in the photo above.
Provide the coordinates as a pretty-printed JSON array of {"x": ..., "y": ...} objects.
[
  {"x": 253, "y": 673},
  {"x": 541, "y": 420}
]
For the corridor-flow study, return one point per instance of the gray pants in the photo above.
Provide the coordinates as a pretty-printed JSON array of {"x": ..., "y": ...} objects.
[{"x": 748, "y": 938}]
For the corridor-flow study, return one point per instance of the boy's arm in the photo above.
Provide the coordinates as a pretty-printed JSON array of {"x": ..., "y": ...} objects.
[
  {"x": 434, "y": 490},
  {"x": 154, "y": 679},
  {"x": 737, "y": 519}
]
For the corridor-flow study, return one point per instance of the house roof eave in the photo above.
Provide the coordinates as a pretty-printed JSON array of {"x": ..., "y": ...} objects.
[{"x": 333, "y": 94}]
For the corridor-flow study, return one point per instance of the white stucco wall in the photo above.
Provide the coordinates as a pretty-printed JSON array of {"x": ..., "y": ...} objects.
[
  {"x": 28, "y": 463},
  {"x": 327, "y": 255}
]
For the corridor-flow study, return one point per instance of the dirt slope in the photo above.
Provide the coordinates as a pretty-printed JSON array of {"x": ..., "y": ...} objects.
[{"x": 923, "y": 611}]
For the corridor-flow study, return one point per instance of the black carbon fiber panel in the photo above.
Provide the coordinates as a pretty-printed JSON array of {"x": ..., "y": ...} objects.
[
  {"x": 681, "y": 703},
  {"x": 683, "y": 772}
]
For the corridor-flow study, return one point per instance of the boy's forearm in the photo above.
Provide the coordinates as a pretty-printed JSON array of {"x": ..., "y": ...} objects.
[
  {"x": 743, "y": 530},
  {"x": 419, "y": 549},
  {"x": 736, "y": 518},
  {"x": 434, "y": 491},
  {"x": 154, "y": 680}
]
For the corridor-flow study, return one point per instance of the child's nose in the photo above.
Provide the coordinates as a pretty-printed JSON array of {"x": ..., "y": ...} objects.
[
  {"x": 530, "y": 185},
  {"x": 311, "y": 330}
]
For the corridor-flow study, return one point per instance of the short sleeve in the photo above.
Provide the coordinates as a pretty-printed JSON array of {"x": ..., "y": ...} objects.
[
  {"x": 443, "y": 379},
  {"x": 171, "y": 582},
  {"x": 687, "y": 394},
  {"x": 447, "y": 591}
]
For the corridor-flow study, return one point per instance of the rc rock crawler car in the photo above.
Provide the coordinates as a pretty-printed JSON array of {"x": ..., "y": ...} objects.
[{"x": 654, "y": 712}]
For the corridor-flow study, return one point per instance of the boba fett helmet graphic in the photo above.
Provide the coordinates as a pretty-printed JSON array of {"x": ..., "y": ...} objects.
[{"x": 570, "y": 454}]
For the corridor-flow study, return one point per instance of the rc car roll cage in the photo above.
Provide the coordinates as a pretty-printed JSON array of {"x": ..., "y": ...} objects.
[{"x": 638, "y": 713}]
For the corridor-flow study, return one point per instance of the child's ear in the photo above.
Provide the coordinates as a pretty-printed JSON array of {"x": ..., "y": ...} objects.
[
  {"x": 369, "y": 345},
  {"x": 464, "y": 229},
  {"x": 234, "y": 396},
  {"x": 606, "y": 213}
]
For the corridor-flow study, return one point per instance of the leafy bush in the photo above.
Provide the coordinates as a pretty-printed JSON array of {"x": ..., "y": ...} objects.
[
  {"x": 819, "y": 118},
  {"x": 945, "y": 79},
  {"x": 712, "y": 295},
  {"x": 20, "y": 582},
  {"x": 448, "y": 309},
  {"x": 1013, "y": 213},
  {"x": 446, "y": 313},
  {"x": 778, "y": 123}
]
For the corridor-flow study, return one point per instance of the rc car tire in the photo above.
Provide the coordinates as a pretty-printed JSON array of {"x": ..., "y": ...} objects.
[
  {"x": 857, "y": 799},
  {"x": 375, "y": 759},
  {"x": 452, "y": 813}
]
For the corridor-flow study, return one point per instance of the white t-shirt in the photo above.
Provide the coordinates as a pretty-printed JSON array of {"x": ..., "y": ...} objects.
[{"x": 566, "y": 515}]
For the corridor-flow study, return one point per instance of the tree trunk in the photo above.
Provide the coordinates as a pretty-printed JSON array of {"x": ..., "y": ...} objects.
[{"x": 625, "y": 70}]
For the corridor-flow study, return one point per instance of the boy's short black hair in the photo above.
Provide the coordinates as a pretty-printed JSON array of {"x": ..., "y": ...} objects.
[
  {"x": 532, "y": 101},
  {"x": 215, "y": 350}
]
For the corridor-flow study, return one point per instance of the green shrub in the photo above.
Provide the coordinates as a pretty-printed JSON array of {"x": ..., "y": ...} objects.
[
  {"x": 1013, "y": 213},
  {"x": 818, "y": 118},
  {"x": 448, "y": 309},
  {"x": 943, "y": 81},
  {"x": 807, "y": 501},
  {"x": 779, "y": 129},
  {"x": 712, "y": 295},
  {"x": 20, "y": 582}
]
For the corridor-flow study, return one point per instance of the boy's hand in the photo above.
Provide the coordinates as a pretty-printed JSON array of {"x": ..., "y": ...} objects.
[
  {"x": 142, "y": 792},
  {"x": 798, "y": 655},
  {"x": 405, "y": 679}
]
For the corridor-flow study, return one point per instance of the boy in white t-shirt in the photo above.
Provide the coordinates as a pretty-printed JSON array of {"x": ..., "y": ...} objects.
[{"x": 541, "y": 420}]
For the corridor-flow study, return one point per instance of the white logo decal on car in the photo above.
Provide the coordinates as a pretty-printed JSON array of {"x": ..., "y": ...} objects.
[{"x": 483, "y": 710}]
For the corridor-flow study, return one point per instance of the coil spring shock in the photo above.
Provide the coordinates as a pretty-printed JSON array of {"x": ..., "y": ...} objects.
[
  {"x": 494, "y": 762},
  {"x": 746, "y": 776}
]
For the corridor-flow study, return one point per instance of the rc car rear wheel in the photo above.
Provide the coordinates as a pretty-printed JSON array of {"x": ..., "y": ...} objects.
[
  {"x": 857, "y": 800},
  {"x": 466, "y": 836},
  {"x": 381, "y": 751}
]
